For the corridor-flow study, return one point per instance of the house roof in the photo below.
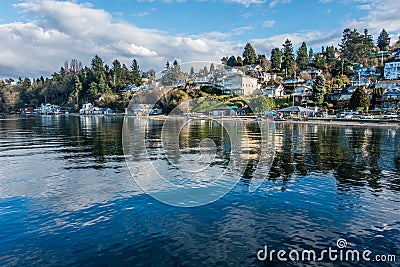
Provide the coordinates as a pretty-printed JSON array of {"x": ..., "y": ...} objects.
[
  {"x": 392, "y": 92},
  {"x": 295, "y": 109}
]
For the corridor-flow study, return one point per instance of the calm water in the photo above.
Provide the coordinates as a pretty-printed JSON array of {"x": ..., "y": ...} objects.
[{"x": 67, "y": 197}]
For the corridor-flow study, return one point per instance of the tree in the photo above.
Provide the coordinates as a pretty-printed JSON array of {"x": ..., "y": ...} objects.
[
  {"x": 356, "y": 47},
  {"x": 319, "y": 61},
  {"x": 26, "y": 84},
  {"x": 102, "y": 85},
  {"x": 212, "y": 68},
  {"x": 173, "y": 74},
  {"x": 302, "y": 57},
  {"x": 232, "y": 62},
  {"x": 259, "y": 104},
  {"x": 330, "y": 57},
  {"x": 77, "y": 88},
  {"x": 239, "y": 61},
  {"x": 263, "y": 61},
  {"x": 318, "y": 90},
  {"x": 383, "y": 40},
  {"x": 360, "y": 99},
  {"x": 224, "y": 60},
  {"x": 310, "y": 54},
  {"x": 205, "y": 70},
  {"x": 288, "y": 58},
  {"x": 249, "y": 55},
  {"x": 98, "y": 65},
  {"x": 276, "y": 59},
  {"x": 135, "y": 74},
  {"x": 118, "y": 81}
]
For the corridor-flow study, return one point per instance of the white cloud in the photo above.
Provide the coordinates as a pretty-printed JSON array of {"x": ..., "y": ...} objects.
[
  {"x": 141, "y": 14},
  {"x": 57, "y": 31},
  {"x": 273, "y": 3},
  {"x": 314, "y": 39},
  {"x": 246, "y": 2},
  {"x": 380, "y": 16},
  {"x": 269, "y": 23}
]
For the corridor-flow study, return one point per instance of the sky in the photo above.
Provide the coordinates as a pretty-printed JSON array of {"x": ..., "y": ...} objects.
[{"x": 38, "y": 36}]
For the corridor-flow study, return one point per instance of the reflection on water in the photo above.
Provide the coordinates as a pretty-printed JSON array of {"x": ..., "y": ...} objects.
[{"x": 67, "y": 198}]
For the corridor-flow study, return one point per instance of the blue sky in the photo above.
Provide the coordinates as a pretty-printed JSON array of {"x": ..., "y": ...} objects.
[{"x": 48, "y": 32}]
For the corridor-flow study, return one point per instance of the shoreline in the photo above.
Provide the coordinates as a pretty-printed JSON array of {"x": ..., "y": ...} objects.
[{"x": 316, "y": 121}]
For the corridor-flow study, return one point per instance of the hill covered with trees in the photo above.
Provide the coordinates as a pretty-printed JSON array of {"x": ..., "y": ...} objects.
[{"x": 102, "y": 84}]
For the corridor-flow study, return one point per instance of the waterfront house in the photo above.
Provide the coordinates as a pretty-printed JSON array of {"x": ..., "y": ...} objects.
[
  {"x": 223, "y": 112},
  {"x": 48, "y": 109},
  {"x": 90, "y": 109},
  {"x": 240, "y": 84},
  {"x": 274, "y": 91},
  {"x": 87, "y": 109},
  {"x": 390, "y": 99},
  {"x": 302, "y": 93},
  {"x": 297, "y": 111},
  {"x": 145, "y": 109}
]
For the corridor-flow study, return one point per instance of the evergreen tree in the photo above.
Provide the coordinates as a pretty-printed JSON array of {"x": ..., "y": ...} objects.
[
  {"x": 319, "y": 61},
  {"x": 98, "y": 66},
  {"x": 118, "y": 81},
  {"x": 212, "y": 68},
  {"x": 330, "y": 57},
  {"x": 249, "y": 55},
  {"x": 383, "y": 40},
  {"x": 356, "y": 47},
  {"x": 318, "y": 90},
  {"x": 102, "y": 85},
  {"x": 239, "y": 61},
  {"x": 311, "y": 54},
  {"x": 302, "y": 57},
  {"x": 360, "y": 99},
  {"x": 288, "y": 58},
  {"x": 276, "y": 59},
  {"x": 173, "y": 74},
  {"x": 136, "y": 73},
  {"x": 205, "y": 70},
  {"x": 263, "y": 61},
  {"x": 224, "y": 60},
  {"x": 232, "y": 62}
]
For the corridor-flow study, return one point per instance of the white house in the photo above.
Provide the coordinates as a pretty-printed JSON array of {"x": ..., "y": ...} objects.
[
  {"x": 392, "y": 71},
  {"x": 240, "y": 84},
  {"x": 89, "y": 109},
  {"x": 274, "y": 91},
  {"x": 146, "y": 109}
]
